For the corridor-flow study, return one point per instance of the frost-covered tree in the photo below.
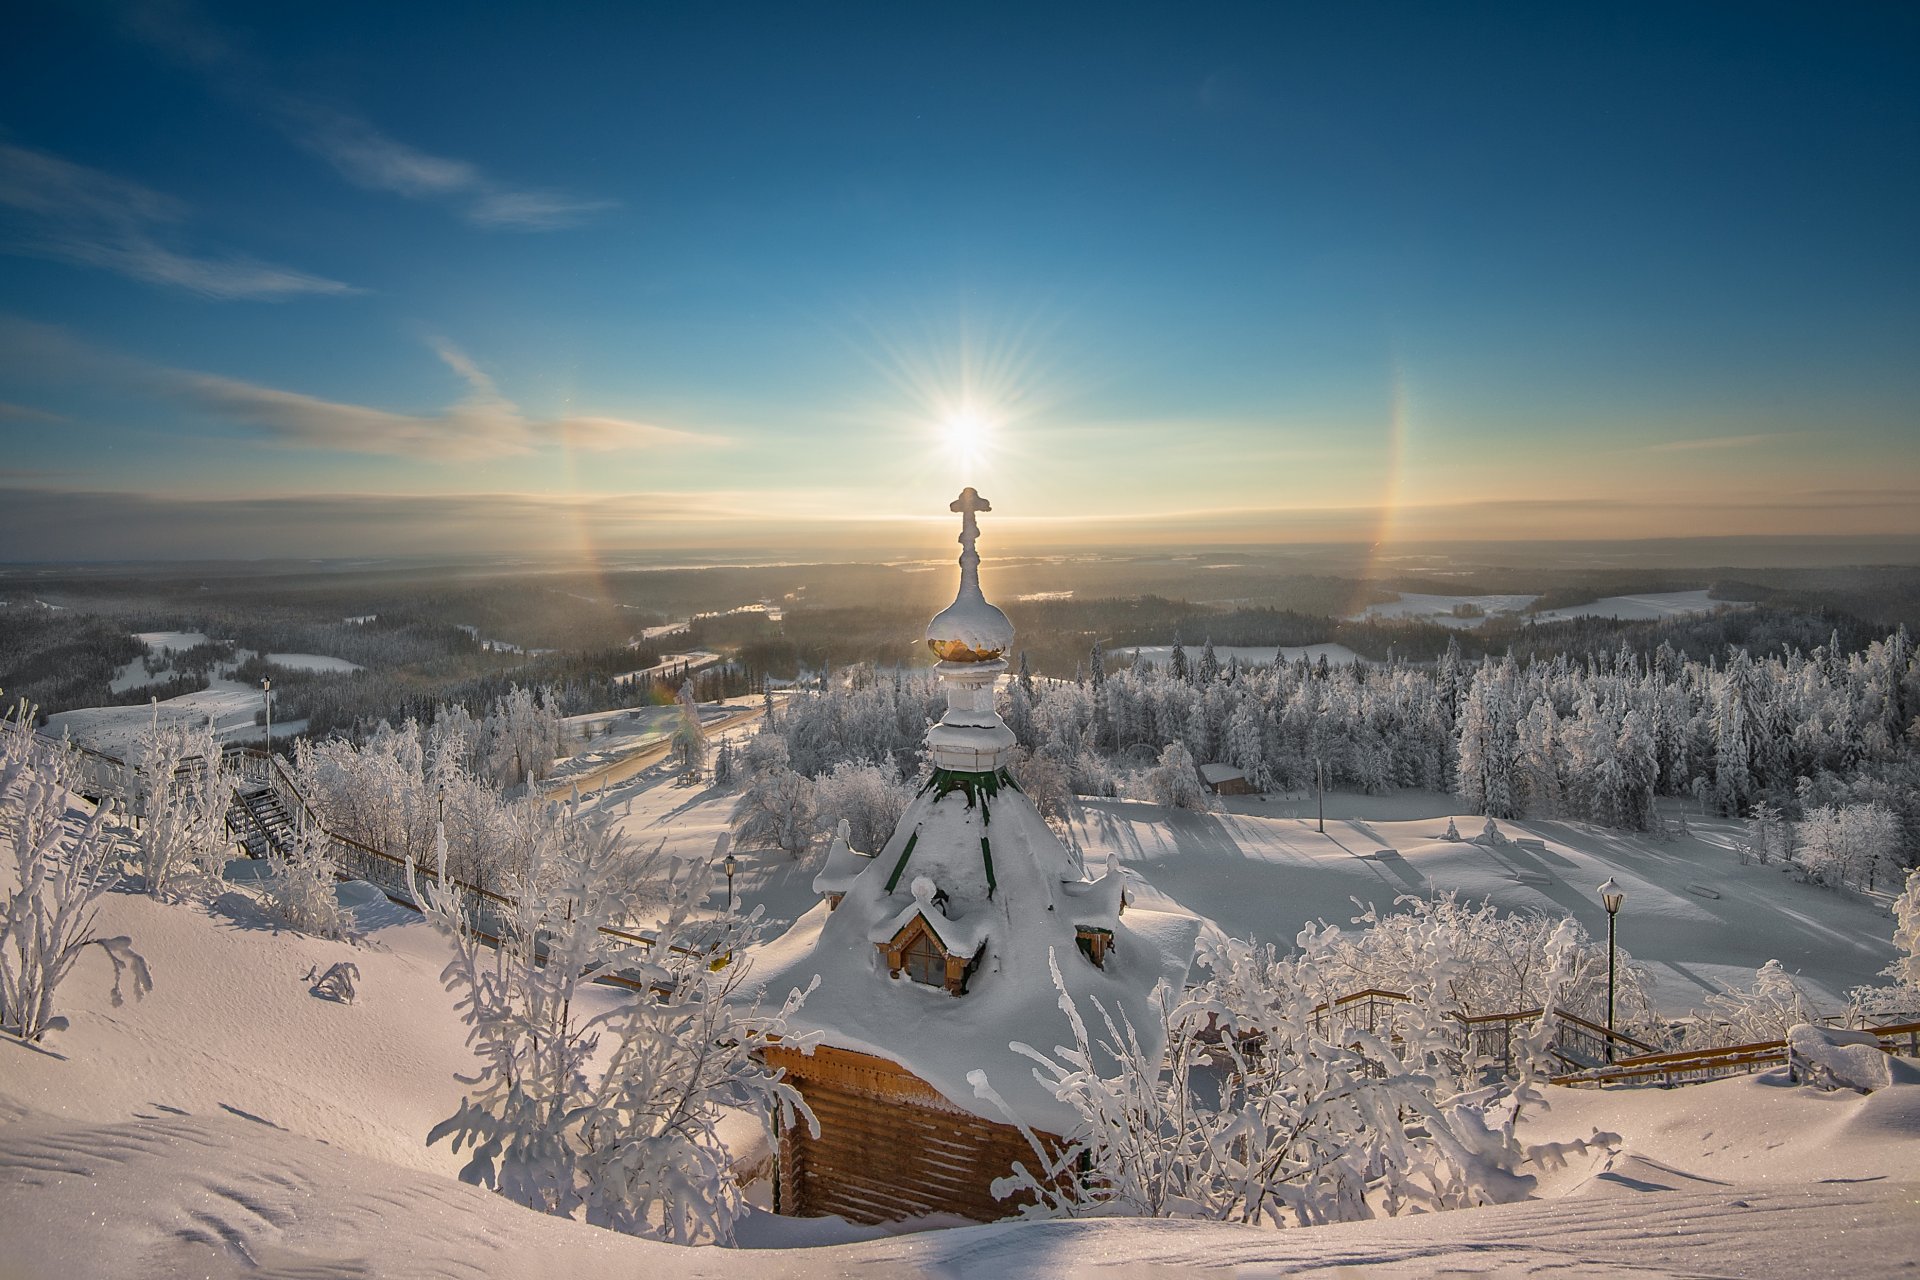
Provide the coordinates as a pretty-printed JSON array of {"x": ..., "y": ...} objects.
[
  {"x": 1175, "y": 782},
  {"x": 1045, "y": 782},
  {"x": 523, "y": 735},
  {"x": 870, "y": 798},
  {"x": 689, "y": 737},
  {"x": 180, "y": 839},
  {"x": 775, "y": 808},
  {"x": 302, "y": 888},
  {"x": 60, "y": 865},
  {"x": 613, "y": 1116}
]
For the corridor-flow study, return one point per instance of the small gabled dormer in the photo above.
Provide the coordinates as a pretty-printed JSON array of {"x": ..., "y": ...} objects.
[
  {"x": 926, "y": 946},
  {"x": 917, "y": 952},
  {"x": 1095, "y": 942},
  {"x": 843, "y": 866}
]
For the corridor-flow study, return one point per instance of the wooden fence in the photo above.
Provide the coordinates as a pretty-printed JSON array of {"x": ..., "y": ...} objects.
[{"x": 487, "y": 913}]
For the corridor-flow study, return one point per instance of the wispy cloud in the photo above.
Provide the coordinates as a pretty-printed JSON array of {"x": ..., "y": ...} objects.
[
  {"x": 483, "y": 423},
  {"x": 358, "y": 150},
  {"x": 71, "y": 213},
  {"x": 1723, "y": 442},
  {"x": 26, "y": 413}
]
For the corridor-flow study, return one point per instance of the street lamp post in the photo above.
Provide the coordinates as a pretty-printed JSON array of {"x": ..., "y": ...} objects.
[
  {"x": 1611, "y": 896},
  {"x": 266, "y": 696}
]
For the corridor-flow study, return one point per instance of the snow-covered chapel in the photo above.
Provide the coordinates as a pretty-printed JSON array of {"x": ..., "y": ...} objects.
[{"x": 936, "y": 953}]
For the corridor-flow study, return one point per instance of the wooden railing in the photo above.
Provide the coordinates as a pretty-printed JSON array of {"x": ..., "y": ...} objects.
[
  {"x": 487, "y": 913},
  {"x": 1692, "y": 1066}
]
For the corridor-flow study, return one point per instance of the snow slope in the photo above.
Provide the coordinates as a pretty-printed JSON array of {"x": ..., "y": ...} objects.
[
  {"x": 1439, "y": 609},
  {"x": 1657, "y": 604},
  {"x": 233, "y": 1125},
  {"x": 1260, "y": 869}
]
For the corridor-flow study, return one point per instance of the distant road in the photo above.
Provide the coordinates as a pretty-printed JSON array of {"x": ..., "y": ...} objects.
[{"x": 645, "y": 758}]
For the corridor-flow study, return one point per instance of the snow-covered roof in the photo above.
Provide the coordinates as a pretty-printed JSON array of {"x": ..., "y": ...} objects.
[
  {"x": 843, "y": 864},
  {"x": 1010, "y": 902},
  {"x": 1215, "y": 774}
]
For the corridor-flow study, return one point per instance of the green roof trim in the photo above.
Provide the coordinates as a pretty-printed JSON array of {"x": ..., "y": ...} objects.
[{"x": 901, "y": 865}]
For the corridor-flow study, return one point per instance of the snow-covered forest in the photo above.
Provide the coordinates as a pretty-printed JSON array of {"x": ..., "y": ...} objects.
[{"x": 1826, "y": 738}]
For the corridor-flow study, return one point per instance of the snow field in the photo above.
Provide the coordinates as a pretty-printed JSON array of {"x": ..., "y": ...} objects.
[{"x": 232, "y": 1124}]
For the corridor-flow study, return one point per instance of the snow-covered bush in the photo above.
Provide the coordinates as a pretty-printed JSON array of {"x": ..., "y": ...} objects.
[
  {"x": 60, "y": 868},
  {"x": 180, "y": 841},
  {"x": 611, "y": 1116},
  {"x": 338, "y": 984},
  {"x": 1766, "y": 1010},
  {"x": 869, "y": 798},
  {"x": 1484, "y": 960},
  {"x": 1175, "y": 782},
  {"x": 1262, "y": 1113},
  {"x": 301, "y": 890}
]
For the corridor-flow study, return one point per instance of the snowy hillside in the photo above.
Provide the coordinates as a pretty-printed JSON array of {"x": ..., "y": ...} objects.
[{"x": 231, "y": 1124}]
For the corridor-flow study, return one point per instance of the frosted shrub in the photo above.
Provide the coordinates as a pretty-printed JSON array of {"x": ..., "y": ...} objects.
[
  {"x": 1773, "y": 1005},
  {"x": 301, "y": 889},
  {"x": 181, "y": 841},
  {"x": 59, "y": 872},
  {"x": 611, "y": 1117},
  {"x": 1484, "y": 960},
  {"x": 1259, "y": 1115}
]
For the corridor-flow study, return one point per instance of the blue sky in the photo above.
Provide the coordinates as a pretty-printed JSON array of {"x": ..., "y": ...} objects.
[{"x": 437, "y": 276}]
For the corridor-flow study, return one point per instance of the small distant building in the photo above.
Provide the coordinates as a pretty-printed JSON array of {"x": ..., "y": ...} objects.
[
  {"x": 937, "y": 952},
  {"x": 1225, "y": 780}
]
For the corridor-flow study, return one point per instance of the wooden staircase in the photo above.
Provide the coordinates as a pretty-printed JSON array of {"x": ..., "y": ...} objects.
[{"x": 260, "y": 822}]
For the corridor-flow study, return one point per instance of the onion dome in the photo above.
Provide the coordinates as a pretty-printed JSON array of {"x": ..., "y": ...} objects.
[{"x": 969, "y": 629}]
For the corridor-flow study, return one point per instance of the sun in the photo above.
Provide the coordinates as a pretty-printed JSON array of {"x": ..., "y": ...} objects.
[{"x": 969, "y": 437}]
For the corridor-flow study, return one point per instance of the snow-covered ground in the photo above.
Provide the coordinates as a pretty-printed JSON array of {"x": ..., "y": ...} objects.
[
  {"x": 1259, "y": 869},
  {"x": 1249, "y": 655},
  {"x": 231, "y": 1124},
  {"x": 311, "y": 662},
  {"x": 113, "y": 730},
  {"x": 170, "y": 641},
  {"x": 1439, "y": 609},
  {"x": 1659, "y": 604}
]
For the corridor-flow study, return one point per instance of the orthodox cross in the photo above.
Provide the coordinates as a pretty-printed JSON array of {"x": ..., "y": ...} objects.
[{"x": 967, "y": 504}]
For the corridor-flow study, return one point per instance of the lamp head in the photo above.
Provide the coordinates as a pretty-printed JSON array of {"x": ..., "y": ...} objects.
[{"x": 1612, "y": 895}]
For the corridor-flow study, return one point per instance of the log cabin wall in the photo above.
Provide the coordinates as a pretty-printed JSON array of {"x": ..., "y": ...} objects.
[{"x": 890, "y": 1145}]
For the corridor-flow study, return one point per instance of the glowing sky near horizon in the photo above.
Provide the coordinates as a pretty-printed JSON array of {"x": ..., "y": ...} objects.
[{"x": 657, "y": 277}]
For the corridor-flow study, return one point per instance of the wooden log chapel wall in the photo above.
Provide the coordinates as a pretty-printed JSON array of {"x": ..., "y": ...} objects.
[{"x": 890, "y": 1145}]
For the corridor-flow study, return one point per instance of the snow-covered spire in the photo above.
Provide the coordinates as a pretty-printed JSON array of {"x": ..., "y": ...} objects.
[
  {"x": 970, "y": 635},
  {"x": 969, "y": 629}
]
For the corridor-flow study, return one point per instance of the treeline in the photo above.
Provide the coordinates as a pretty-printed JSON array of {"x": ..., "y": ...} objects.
[
  {"x": 1594, "y": 738},
  {"x": 56, "y": 659}
]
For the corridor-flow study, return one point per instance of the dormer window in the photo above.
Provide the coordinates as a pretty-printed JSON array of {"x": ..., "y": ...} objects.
[
  {"x": 916, "y": 952},
  {"x": 1094, "y": 943},
  {"x": 924, "y": 961}
]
